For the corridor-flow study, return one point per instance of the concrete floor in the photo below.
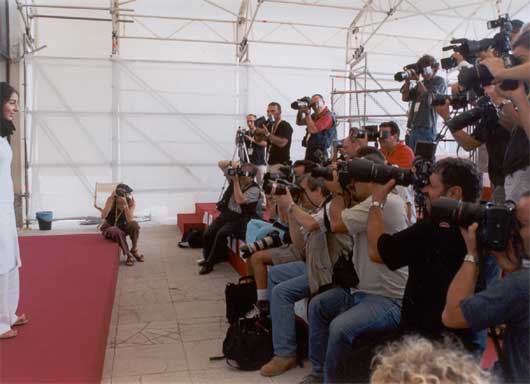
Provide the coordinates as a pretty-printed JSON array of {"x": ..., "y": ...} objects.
[{"x": 167, "y": 320}]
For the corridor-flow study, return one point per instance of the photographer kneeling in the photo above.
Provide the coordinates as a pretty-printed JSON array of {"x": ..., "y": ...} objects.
[
  {"x": 118, "y": 222},
  {"x": 505, "y": 302},
  {"x": 238, "y": 205},
  {"x": 321, "y": 127}
]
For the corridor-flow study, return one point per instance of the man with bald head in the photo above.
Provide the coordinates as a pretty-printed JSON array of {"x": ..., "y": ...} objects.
[{"x": 504, "y": 302}]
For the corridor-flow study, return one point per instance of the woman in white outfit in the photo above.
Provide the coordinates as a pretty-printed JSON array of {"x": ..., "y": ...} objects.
[{"x": 9, "y": 251}]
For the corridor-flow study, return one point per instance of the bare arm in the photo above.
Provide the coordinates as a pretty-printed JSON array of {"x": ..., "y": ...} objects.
[
  {"x": 239, "y": 197},
  {"x": 335, "y": 215},
  {"x": 108, "y": 206},
  {"x": 311, "y": 126},
  {"x": 376, "y": 225},
  {"x": 466, "y": 141},
  {"x": 300, "y": 117},
  {"x": 405, "y": 91},
  {"x": 296, "y": 235},
  {"x": 304, "y": 219}
]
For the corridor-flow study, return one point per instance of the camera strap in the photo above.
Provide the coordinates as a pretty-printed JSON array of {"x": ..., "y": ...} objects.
[{"x": 327, "y": 223}]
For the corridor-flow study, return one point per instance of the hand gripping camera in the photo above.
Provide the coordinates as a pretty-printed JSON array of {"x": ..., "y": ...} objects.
[{"x": 304, "y": 102}]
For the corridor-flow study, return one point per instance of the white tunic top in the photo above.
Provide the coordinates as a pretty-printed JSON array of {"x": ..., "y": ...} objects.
[{"x": 9, "y": 251}]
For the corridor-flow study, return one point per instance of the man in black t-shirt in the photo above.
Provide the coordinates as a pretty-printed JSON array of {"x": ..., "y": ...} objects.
[
  {"x": 279, "y": 137},
  {"x": 432, "y": 253}
]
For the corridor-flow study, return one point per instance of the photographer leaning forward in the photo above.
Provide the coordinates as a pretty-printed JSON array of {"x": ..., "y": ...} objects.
[
  {"x": 257, "y": 149},
  {"x": 321, "y": 127},
  {"x": 118, "y": 222},
  {"x": 422, "y": 115},
  {"x": 278, "y": 134}
]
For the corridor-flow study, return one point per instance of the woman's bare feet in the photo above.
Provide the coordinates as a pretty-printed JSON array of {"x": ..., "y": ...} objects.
[
  {"x": 9, "y": 334},
  {"x": 21, "y": 320}
]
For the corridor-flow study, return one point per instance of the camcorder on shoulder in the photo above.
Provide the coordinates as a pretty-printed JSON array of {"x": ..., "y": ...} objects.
[
  {"x": 496, "y": 222},
  {"x": 303, "y": 102},
  {"x": 467, "y": 48}
]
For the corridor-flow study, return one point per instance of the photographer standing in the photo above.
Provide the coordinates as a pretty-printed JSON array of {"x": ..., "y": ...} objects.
[
  {"x": 505, "y": 302},
  {"x": 118, "y": 222},
  {"x": 278, "y": 135},
  {"x": 238, "y": 205},
  {"x": 257, "y": 149},
  {"x": 321, "y": 129},
  {"x": 422, "y": 115}
]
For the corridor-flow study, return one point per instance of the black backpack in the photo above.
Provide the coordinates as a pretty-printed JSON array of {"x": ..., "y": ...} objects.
[
  {"x": 192, "y": 239},
  {"x": 240, "y": 298},
  {"x": 248, "y": 344}
]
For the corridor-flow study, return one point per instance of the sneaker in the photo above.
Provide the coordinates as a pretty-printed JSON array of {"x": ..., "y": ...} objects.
[
  {"x": 312, "y": 379},
  {"x": 277, "y": 366}
]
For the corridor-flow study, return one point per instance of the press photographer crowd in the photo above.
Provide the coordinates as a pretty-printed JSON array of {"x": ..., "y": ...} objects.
[
  {"x": 406, "y": 273},
  {"x": 390, "y": 245}
]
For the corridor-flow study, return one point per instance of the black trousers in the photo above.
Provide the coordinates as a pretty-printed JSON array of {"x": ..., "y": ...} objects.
[{"x": 214, "y": 243}]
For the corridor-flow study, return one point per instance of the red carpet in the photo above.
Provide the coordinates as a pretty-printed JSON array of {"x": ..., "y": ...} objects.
[{"x": 67, "y": 291}]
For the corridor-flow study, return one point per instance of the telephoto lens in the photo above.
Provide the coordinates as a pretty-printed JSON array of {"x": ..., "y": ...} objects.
[
  {"x": 271, "y": 241},
  {"x": 367, "y": 171}
]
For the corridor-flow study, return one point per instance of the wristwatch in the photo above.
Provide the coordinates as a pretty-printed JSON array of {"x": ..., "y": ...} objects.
[
  {"x": 470, "y": 259},
  {"x": 377, "y": 204}
]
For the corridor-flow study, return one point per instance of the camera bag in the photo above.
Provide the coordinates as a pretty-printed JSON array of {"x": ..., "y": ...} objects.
[
  {"x": 192, "y": 239},
  {"x": 240, "y": 298}
]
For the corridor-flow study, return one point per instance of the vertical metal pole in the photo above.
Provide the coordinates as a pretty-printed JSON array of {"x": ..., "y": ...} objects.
[{"x": 116, "y": 128}]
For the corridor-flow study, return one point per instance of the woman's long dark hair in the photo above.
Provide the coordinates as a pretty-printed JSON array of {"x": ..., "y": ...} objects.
[{"x": 6, "y": 127}]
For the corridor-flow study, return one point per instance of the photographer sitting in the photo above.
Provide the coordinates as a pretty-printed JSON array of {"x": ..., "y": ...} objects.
[
  {"x": 505, "y": 302},
  {"x": 291, "y": 282},
  {"x": 257, "y": 149},
  {"x": 339, "y": 316},
  {"x": 422, "y": 115},
  {"x": 238, "y": 205},
  {"x": 395, "y": 151},
  {"x": 321, "y": 128},
  {"x": 278, "y": 135},
  {"x": 433, "y": 253},
  {"x": 118, "y": 222}
]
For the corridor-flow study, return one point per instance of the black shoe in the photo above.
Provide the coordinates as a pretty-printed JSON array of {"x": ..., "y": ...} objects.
[
  {"x": 206, "y": 268},
  {"x": 202, "y": 263}
]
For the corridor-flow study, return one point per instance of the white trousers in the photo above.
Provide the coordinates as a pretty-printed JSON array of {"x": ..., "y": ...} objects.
[{"x": 9, "y": 295}]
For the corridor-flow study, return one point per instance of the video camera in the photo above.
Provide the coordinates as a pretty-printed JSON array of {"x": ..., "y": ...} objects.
[
  {"x": 467, "y": 48},
  {"x": 484, "y": 109},
  {"x": 407, "y": 72},
  {"x": 457, "y": 101},
  {"x": 371, "y": 132},
  {"x": 496, "y": 222},
  {"x": 304, "y": 102}
]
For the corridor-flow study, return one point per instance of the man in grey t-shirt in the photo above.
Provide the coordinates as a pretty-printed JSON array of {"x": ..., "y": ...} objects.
[{"x": 340, "y": 316}]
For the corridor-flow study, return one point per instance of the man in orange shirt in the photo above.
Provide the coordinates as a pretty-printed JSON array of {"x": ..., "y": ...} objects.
[{"x": 396, "y": 152}]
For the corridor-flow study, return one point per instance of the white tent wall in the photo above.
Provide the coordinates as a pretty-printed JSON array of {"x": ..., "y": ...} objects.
[
  {"x": 147, "y": 124},
  {"x": 162, "y": 113}
]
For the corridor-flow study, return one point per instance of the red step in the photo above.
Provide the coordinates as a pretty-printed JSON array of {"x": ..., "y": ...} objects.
[
  {"x": 236, "y": 261},
  {"x": 187, "y": 221},
  {"x": 210, "y": 208}
]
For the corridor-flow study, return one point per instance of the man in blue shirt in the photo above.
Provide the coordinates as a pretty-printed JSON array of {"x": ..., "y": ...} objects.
[{"x": 504, "y": 302}]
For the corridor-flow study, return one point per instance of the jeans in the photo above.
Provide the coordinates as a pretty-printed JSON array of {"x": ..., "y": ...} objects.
[
  {"x": 420, "y": 134},
  {"x": 337, "y": 318},
  {"x": 288, "y": 284}
]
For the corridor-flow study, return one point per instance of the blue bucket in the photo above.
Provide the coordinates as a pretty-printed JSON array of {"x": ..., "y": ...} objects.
[{"x": 45, "y": 219}]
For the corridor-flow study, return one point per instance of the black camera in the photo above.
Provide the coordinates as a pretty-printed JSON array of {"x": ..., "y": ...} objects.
[
  {"x": 123, "y": 190},
  {"x": 484, "y": 109},
  {"x": 280, "y": 187},
  {"x": 502, "y": 22},
  {"x": 264, "y": 122},
  {"x": 237, "y": 171},
  {"x": 407, "y": 73},
  {"x": 495, "y": 221},
  {"x": 304, "y": 102},
  {"x": 457, "y": 101},
  {"x": 371, "y": 132},
  {"x": 467, "y": 48}
]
